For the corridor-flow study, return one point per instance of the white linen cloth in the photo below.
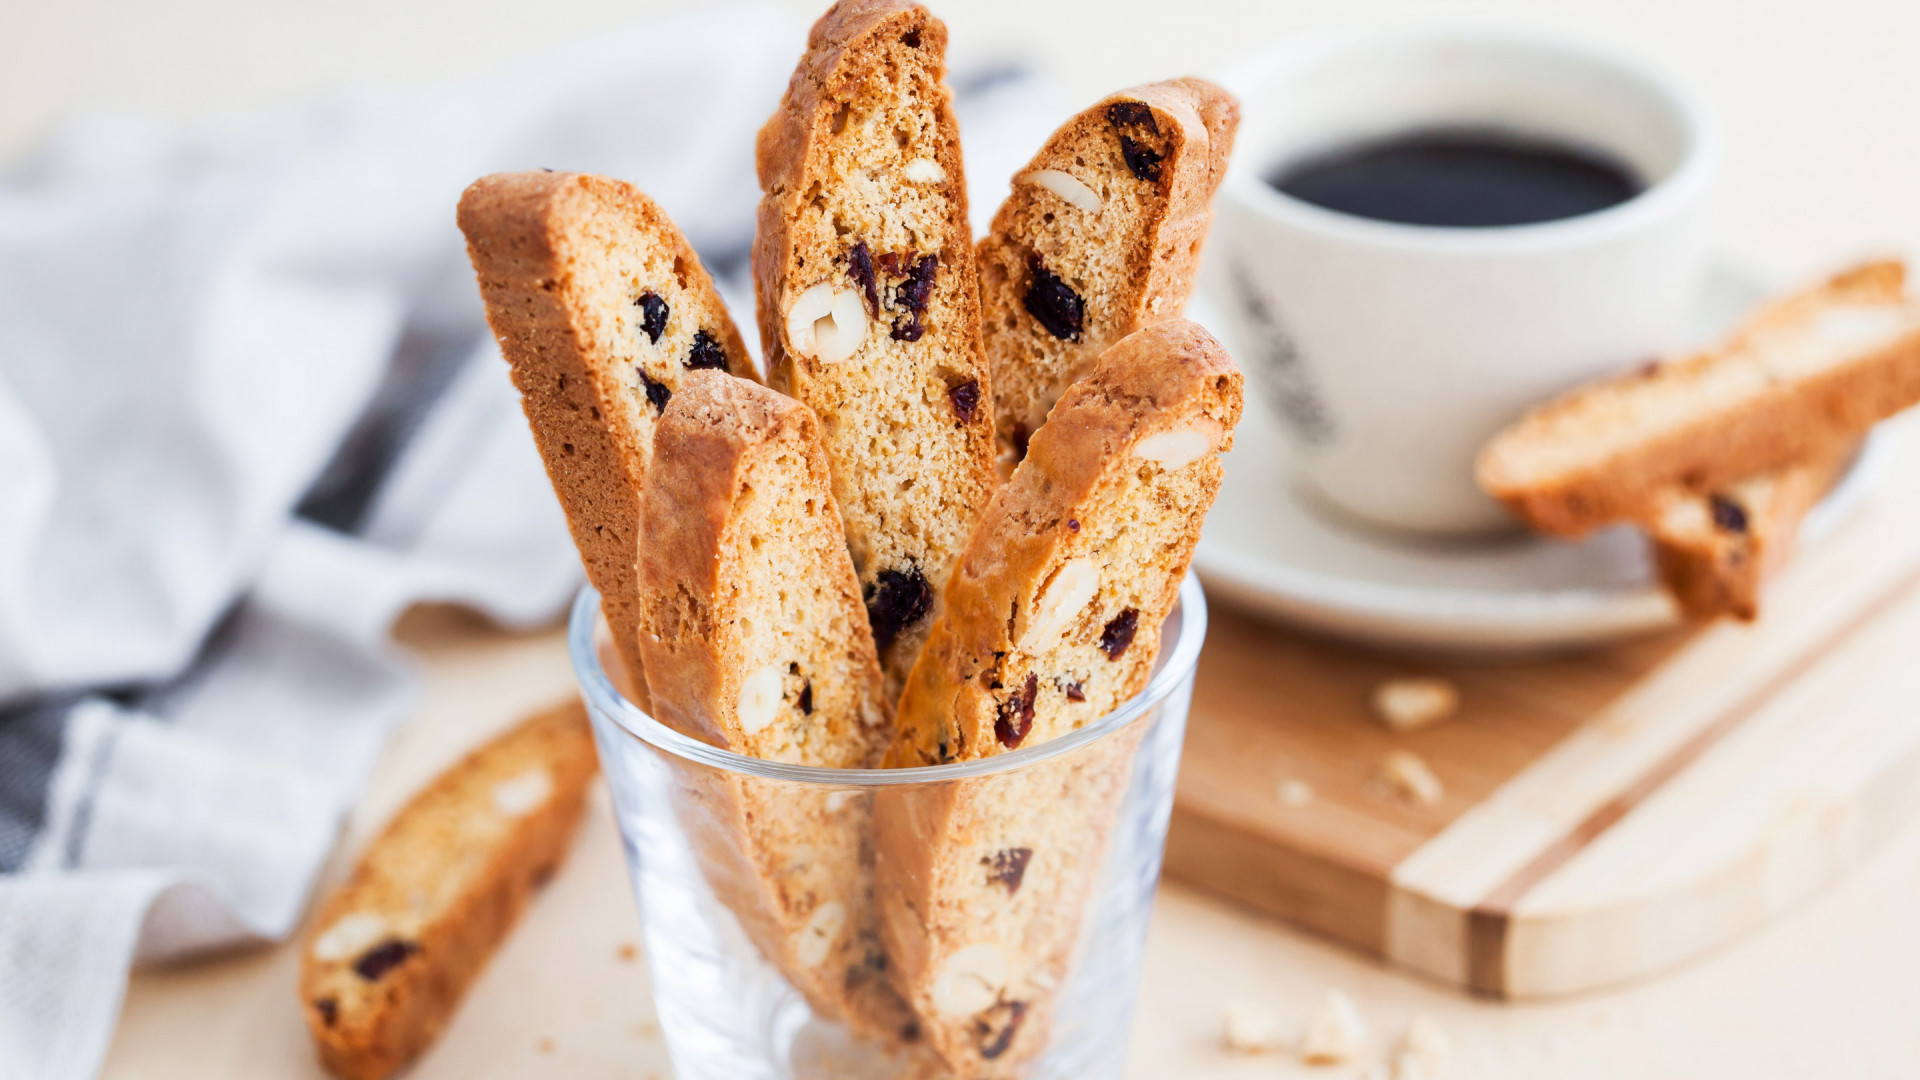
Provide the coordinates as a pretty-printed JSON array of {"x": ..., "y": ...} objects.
[{"x": 249, "y": 412}]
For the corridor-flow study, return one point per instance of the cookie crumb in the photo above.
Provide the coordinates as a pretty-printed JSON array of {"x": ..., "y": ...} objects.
[
  {"x": 1423, "y": 1051},
  {"x": 1251, "y": 1029},
  {"x": 545, "y": 1045},
  {"x": 1408, "y": 777},
  {"x": 628, "y": 951},
  {"x": 1334, "y": 1033},
  {"x": 1411, "y": 704},
  {"x": 1294, "y": 794}
]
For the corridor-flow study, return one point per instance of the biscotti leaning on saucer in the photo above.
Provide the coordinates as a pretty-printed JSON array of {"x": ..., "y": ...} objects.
[
  {"x": 1715, "y": 551},
  {"x": 1051, "y": 621},
  {"x": 755, "y": 639},
  {"x": 868, "y": 302},
  {"x": 1100, "y": 236},
  {"x": 1809, "y": 374},
  {"x": 601, "y": 308},
  {"x": 391, "y": 953}
]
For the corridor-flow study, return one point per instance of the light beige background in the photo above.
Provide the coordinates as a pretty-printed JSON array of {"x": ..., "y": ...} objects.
[{"x": 1820, "y": 101}]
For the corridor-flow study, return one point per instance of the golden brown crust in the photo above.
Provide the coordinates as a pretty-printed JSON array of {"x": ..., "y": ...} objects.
[
  {"x": 561, "y": 260},
  {"x": 842, "y": 207},
  {"x": 438, "y": 890},
  {"x": 1714, "y": 552},
  {"x": 1131, "y": 261},
  {"x": 1766, "y": 426}
]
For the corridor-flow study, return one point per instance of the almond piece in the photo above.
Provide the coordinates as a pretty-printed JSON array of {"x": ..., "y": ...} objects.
[
  {"x": 971, "y": 982},
  {"x": 1411, "y": 704},
  {"x": 1251, "y": 1029},
  {"x": 827, "y": 324},
  {"x": 523, "y": 794},
  {"x": 815, "y": 940},
  {"x": 350, "y": 935},
  {"x": 1064, "y": 184},
  {"x": 1061, "y": 601},
  {"x": 1408, "y": 777},
  {"x": 1174, "y": 449},
  {"x": 1335, "y": 1032},
  {"x": 760, "y": 697}
]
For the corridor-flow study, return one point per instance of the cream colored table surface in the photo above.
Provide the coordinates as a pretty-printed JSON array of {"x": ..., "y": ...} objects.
[{"x": 1821, "y": 107}]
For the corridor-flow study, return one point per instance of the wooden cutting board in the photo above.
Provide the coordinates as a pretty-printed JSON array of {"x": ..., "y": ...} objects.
[{"x": 1606, "y": 815}]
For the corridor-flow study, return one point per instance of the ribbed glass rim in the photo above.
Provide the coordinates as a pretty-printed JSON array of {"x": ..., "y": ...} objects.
[{"x": 604, "y": 699}]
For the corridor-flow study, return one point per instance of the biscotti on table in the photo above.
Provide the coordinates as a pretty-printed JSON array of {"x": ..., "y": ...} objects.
[
  {"x": 1051, "y": 621},
  {"x": 868, "y": 304},
  {"x": 1100, "y": 236},
  {"x": 600, "y": 308},
  {"x": 391, "y": 954}
]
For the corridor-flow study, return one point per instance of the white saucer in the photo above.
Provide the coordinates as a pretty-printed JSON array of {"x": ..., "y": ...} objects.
[{"x": 1269, "y": 548}]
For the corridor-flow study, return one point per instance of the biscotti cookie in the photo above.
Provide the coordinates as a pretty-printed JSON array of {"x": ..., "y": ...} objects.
[
  {"x": 868, "y": 303},
  {"x": 1100, "y": 237},
  {"x": 1052, "y": 620},
  {"x": 751, "y": 624},
  {"x": 755, "y": 639},
  {"x": 1807, "y": 374},
  {"x": 600, "y": 308},
  {"x": 392, "y": 953},
  {"x": 1714, "y": 551},
  {"x": 1053, "y": 614}
]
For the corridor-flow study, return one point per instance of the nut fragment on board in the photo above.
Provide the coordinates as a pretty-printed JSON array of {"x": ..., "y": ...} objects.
[
  {"x": 1422, "y": 1052},
  {"x": 1406, "y": 776},
  {"x": 1251, "y": 1029},
  {"x": 1293, "y": 794},
  {"x": 1411, "y": 704},
  {"x": 1335, "y": 1032}
]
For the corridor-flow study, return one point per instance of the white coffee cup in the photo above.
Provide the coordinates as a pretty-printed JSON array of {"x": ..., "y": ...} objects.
[{"x": 1391, "y": 352}]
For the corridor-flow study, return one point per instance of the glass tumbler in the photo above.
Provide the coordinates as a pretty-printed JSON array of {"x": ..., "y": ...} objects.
[{"x": 779, "y": 904}]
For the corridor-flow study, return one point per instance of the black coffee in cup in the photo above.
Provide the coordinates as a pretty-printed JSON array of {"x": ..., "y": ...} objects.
[{"x": 1460, "y": 178}]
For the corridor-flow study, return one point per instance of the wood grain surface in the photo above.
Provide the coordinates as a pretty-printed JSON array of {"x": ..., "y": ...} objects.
[{"x": 1585, "y": 837}]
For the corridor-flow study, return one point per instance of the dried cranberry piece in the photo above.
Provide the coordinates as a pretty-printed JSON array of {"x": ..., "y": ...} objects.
[
  {"x": 805, "y": 702},
  {"x": 328, "y": 1008},
  {"x": 897, "y": 599},
  {"x": 383, "y": 958},
  {"x": 1056, "y": 306},
  {"x": 1118, "y": 633},
  {"x": 1142, "y": 161},
  {"x": 706, "y": 353},
  {"x": 653, "y": 316},
  {"x": 1007, "y": 867},
  {"x": 996, "y": 1027},
  {"x": 1073, "y": 524},
  {"x": 965, "y": 398},
  {"x": 1075, "y": 692},
  {"x": 1016, "y": 714},
  {"x": 860, "y": 269},
  {"x": 913, "y": 294},
  {"x": 657, "y": 393},
  {"x": 1728, "y": 515},
  {"x": 1130, "y": 113}
]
